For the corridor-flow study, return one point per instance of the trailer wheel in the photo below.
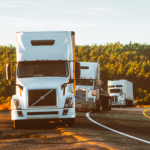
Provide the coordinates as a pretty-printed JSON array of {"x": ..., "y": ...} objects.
[
  {"x": 70, "y": 122},
  {"x": 98, "y": 106},
  {"x": 17, "y": 124},
  {"x": 129, "y": 103},
  {"x": 107, "y": 105}
]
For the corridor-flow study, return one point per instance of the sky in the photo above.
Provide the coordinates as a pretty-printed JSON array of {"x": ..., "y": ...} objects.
[{"x": 94, "y": 21}]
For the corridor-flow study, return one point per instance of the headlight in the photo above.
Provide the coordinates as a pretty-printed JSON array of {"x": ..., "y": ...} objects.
[
  {"x": 91, "y": 99},
  {"x": 15, "y": 104},
  {"x": 69, "y": 102},
  {"x": 94, "y": 93}
]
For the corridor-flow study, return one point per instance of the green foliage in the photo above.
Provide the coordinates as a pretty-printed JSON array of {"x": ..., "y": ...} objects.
[
  {"x": 2, "y": 99},
  {"x": 118, "y": 61},
  {"x": 7, "y": 54}
]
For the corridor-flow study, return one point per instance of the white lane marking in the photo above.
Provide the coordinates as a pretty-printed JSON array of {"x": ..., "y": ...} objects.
[{"x": 87, "y": 114}]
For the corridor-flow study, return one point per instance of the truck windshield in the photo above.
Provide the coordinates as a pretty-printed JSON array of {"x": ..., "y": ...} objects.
[
  {"x": 115, "y": 91},
  {"x": 42, "y": 68},
  {"x": 84, "y": 82}
]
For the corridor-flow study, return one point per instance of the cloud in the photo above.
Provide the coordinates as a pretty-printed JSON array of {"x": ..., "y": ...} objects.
[
  {"x": 13, "y": 6},
  {"x": 88, "y": 11},
  {"x": 100, "y": 9},
  {"x": 27, "y": 4},
  {"x": 13, "y": 1},
  {"x": 42, "y": 23},
  {"x": 51, "y": 8},
  {"x": 30, "y": 7}
]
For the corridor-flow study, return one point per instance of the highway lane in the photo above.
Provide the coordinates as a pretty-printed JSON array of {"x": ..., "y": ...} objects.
[{"x": 84, "y": 135}]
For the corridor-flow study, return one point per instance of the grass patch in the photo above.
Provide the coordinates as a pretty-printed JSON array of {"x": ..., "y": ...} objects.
[
  {"x": 5, "y": 106},
  {"x": 143, "y": 106},
  {"x": 5, "y": 103}
]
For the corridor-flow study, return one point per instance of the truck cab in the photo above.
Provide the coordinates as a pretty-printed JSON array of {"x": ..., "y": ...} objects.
[
  {"x": 121, "y": 92},
  {"x": 45, "y": 77},
  {"x": 87, "y": 87}
]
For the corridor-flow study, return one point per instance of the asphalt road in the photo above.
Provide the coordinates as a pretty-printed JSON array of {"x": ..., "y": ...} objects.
[{"x": 85, "y": 134}]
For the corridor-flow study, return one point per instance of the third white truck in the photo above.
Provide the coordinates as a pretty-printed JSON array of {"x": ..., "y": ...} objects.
[{"x": 121, "y": 92}]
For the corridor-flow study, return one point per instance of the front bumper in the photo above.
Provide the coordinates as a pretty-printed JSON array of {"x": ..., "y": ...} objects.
[
  {"x": 120, "y": 103},
  {"x": 42, "y": 114},
  {"x": 85, "y": 105}
]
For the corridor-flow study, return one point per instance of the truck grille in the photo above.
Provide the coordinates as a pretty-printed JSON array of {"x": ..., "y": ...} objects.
[
  {"x": 80, "y": 95},
  {"x": 42, "y": 97},
  {"x": 114, "y": 98}
]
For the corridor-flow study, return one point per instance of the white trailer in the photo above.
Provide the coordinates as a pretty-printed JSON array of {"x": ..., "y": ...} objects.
[
  {"x": 45, "y": 85},
  {"x": 121, "y": 92},
  {"x": 88, "y": 88}
]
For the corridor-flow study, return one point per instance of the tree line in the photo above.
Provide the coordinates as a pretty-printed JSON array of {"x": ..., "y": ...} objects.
[{"x": 117, "y": 61}]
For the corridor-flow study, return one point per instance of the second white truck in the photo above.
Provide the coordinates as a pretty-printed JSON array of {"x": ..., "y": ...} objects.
[
  {"x": 121, "y": 92},
  {"x": 88, "y": 94}
]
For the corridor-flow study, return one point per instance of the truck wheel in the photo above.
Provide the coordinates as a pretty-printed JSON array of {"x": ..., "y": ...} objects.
[
  {"x": 70, "y": 122},
  {"x": 93, "y": 110},
  {"x": 98, "y": 106},
  {"x": 77, "y": 109},
  {"x": 129, "y": 103},
  {"x": 17, "y": 124},
  {"x": 104, "y": 106},
  {"x": 107, "y": 105}
]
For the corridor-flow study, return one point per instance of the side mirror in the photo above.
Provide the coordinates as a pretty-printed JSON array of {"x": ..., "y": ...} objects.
[
  {"x": 97, "y": 83},
  {"x": 8, "y": 71},
  {"x": 77, "y": 70},
  {"x": 70, "y": 80}
]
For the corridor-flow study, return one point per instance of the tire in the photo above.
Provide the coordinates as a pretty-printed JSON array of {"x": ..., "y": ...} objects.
[
  {"x": 107, "y": 105},
  {"x": 70, "y": 122},
  {"x": 106, "y": 102},
  {"x": 129, "y": 103},
  {"x": 76, "y": 109},
  {"x": 98, "y": 106},
  {"x": 93, "y": 110},
  {"x": 17, "y": 124},
  {"x": 126, "y": 104}
]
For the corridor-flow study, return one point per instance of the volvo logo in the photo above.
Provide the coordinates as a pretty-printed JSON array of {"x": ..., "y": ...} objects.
[{"x": 42, "y": 97}]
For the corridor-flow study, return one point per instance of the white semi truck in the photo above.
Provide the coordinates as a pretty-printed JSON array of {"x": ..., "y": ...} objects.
[
  {"x": 121, "y": 92},
  {"x": 88, "y": 94},
  {"x": 45, "y": 77}
]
